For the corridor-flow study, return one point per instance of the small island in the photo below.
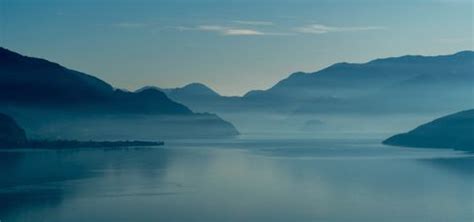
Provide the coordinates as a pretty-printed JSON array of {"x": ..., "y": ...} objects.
[
  {"x": 13, "y": 136},
  {"x": 455, "y": 131}
]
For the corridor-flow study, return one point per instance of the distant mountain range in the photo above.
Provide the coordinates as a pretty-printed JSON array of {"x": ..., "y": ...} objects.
[
  {"x": 200, "y": 98},
  {"x": 44, "y": 95},
  {"x": 408, "y": 85},
  {"x": 454, "y": 131},
  {"x": 344, "y": 95},
  {"x": 391, "y": 84}
]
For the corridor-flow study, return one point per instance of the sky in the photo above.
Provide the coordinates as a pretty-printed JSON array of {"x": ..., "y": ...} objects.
[{"x": 233, "y": 46}]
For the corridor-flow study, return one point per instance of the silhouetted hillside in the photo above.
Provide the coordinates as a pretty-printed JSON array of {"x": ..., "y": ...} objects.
[
  {"x": 148, "y": 101},
  {"x": 392, "y": 84},
  {"x": 11, "y": 134},
  {"x": 32, "y": 80},
  {"x": 401, "y": 84},
  {"x": 201, "y": 98},
  {"x": 192, "y": 90},
  {"x": 406, "y": 85},
  {"x": 37, "y": 82},
  {"x": 453, "y": 131},
  {"x": 32, "y": 87}
]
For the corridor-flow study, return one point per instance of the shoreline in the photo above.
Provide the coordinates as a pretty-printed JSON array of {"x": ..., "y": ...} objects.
[{"x": 71, "y": 144}]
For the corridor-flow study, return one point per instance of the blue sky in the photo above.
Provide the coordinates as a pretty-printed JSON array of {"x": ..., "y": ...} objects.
[{"x": 231, "y": 45}]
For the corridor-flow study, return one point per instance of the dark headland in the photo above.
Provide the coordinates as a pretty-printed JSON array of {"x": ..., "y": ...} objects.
[
  {"x": 13, "y": 136},
  {"x": 455, "y": 131}
]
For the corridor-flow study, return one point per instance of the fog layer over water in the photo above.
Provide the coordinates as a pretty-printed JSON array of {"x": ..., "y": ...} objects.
[{"x": 242, "y": 179}]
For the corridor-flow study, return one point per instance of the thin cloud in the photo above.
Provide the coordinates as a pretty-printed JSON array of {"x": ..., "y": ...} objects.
[
  {"x": 231, "y": 31},
  {"x": 252, "y": 31},
  {"x": 227, "y": 30},
  {"x": 323, "y": 29},
  {"x": 242, "y": 32},
  {"x": 255, "y": 23}
]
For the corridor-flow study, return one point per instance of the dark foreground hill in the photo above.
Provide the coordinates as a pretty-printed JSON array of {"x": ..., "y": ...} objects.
[
  {"x": 454, "y": 131},
  {"x": 43, "y": 96},
  {"x": 11, "y": 134}
]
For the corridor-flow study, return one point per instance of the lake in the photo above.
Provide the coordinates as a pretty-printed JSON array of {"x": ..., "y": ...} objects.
[{"x": 246, "y": 179}]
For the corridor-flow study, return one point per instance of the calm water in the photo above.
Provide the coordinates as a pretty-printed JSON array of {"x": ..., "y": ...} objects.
[{"x": 238, "y": 180}]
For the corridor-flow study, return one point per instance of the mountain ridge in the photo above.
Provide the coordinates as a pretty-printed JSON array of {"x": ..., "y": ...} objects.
[
  {"x": 405, "y": 85},
  {"x": 31, "y": 86},
  {"x": 350, "y": 80}
]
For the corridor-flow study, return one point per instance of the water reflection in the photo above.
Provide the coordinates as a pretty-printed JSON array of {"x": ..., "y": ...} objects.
[
  {"x": 42, "y": 179},
  {"x": 461, "y": 165},
  {"x": 259, "y": 181}
]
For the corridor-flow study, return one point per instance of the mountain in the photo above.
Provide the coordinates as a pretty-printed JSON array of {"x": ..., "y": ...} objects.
[
  {"x": 11, "y": 134},
  {"x": 30, "y": 80},
  {"x": 30, "y": 87},
  {"x": 37, "y": 82},
  {"x": 398, "y": 84},
  {"x": 454, "y": 131},
  {"x": 148, "y": 101},
  {"x": 350, "y": 95},
  {"x": 190, "y": 91},
  {"x": 391, "y": 84},
  {"x": 200, "y": 97}
]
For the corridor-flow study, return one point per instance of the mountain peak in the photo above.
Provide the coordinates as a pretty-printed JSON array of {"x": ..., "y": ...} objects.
[
  {"x": 297, "y": 74},
  {"x": 199, "y": 88},
  {"x": 147, "y": 88},
  {"x": 195, "y": 84},
  {"x": 192, "y": 89},
  {"x": 150, "y": 91}
]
